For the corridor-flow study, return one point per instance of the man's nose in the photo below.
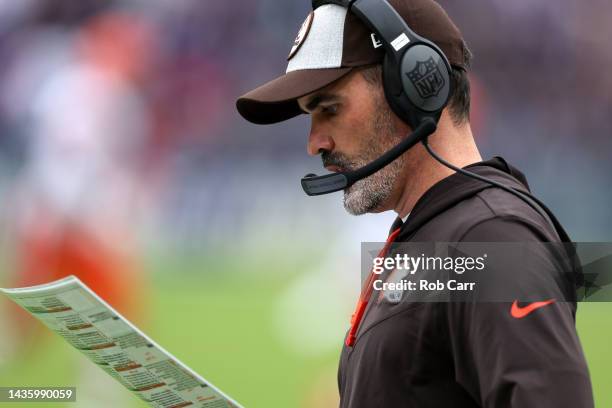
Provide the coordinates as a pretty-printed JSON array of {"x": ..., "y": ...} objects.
[{"x": 318, "y": 142}]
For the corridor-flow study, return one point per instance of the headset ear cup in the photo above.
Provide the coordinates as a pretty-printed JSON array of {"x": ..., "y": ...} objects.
[
  {"x": 425, "y": 77},
  {"x": 418, "y": 85}
]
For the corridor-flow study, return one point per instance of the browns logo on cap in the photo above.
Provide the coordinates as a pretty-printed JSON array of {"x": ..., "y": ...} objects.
[
  {"x": 331, "y": 43},
  {"x": 301, "y": 36}
]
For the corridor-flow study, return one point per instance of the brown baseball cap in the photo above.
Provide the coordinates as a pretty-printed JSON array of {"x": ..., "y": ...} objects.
[{"x": 331, "y": 43}]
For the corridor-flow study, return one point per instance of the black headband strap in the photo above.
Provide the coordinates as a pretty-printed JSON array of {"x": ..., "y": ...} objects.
[{"x": 382, "y": 18}]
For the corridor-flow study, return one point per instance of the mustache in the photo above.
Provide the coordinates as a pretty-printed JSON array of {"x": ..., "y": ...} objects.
[{"x": 337, "y": 159}]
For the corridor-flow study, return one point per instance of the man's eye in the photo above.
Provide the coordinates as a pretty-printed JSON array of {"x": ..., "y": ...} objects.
[{"x": 329, "y": 110}]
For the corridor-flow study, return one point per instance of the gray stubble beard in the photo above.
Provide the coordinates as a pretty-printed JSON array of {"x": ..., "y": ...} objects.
[{"x": 368, "y": 195}]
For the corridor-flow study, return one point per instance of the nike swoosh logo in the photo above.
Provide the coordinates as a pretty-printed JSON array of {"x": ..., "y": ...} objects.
[{"x": 520, "y": 312}]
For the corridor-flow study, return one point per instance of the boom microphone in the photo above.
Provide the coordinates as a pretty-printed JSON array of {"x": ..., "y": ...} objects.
[{"x": 314, "y": 185}]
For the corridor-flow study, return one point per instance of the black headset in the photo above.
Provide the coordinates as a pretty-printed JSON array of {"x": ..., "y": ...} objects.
[{"x": 416, "y": 73}]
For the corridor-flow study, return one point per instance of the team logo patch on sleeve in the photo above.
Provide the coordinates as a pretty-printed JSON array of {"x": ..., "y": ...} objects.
[{"x": 302, "y": 34}]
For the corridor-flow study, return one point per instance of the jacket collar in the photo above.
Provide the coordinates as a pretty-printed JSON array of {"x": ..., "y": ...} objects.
[{"x": 456, "y": 188}]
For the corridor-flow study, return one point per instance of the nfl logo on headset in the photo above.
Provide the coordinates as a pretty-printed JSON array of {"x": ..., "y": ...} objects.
[{"x": 427, "y": 78}]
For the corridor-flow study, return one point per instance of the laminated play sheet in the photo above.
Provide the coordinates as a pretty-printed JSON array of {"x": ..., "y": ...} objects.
[{"x": 88, "y": 323}]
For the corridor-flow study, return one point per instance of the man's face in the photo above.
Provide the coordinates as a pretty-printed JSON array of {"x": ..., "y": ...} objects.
[{"x": 352, "y": 125}]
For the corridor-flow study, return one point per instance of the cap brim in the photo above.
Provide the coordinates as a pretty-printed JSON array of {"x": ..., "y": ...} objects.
[{"x": 276, "y": 101}]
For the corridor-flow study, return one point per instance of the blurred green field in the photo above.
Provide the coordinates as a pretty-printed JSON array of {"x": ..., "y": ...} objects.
[{"x": 222, "y": 328}]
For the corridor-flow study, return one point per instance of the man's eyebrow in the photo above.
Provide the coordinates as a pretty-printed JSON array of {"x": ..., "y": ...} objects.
[{"x": 319, "y": 99}]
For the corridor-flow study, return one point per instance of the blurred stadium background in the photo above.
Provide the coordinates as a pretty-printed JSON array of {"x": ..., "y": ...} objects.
[{"x": 123, "y": 161}]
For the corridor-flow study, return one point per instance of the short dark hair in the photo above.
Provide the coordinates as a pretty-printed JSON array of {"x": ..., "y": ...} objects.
[{"x": 460, "y": 100}]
